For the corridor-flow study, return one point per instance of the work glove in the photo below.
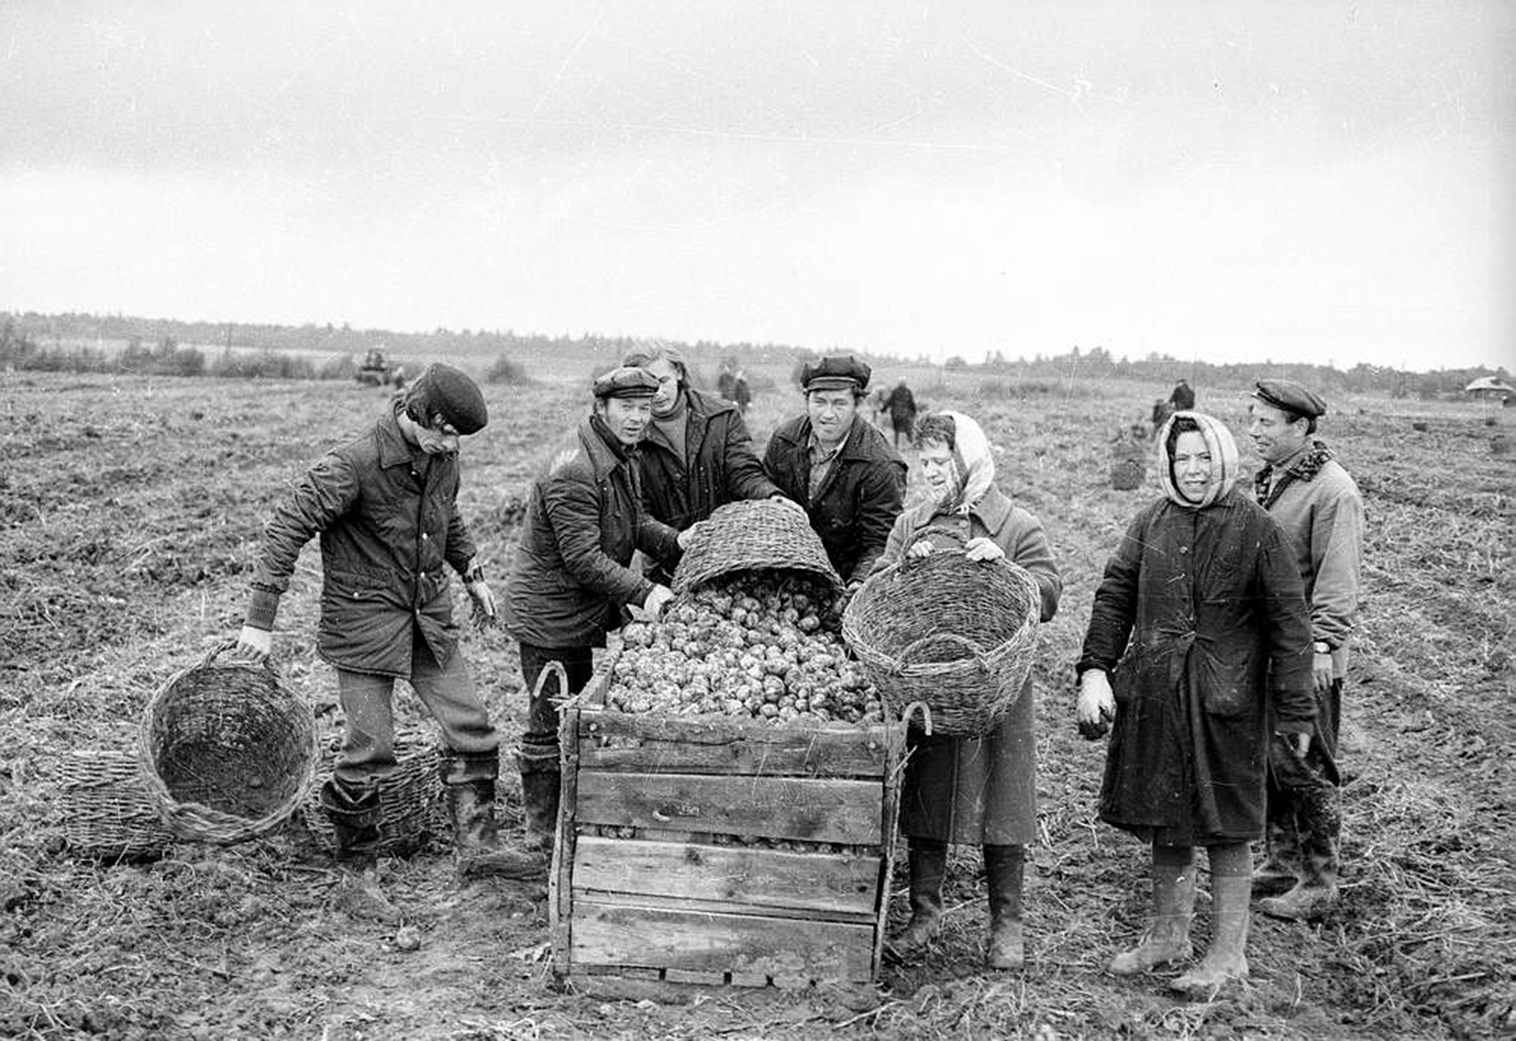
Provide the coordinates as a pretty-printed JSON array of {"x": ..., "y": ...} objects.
[
  {"x": 984, "y": 549},
  {"x": 479, "y": 592},
  {"x": 254, "y": 643},
  {"x": 688, "y": 535},
  {"x": 653, "y": 606},
  {"x": 1097, "y": 704}
]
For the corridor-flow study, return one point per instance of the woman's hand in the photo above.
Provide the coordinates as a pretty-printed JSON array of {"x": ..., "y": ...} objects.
[
  {"x": 920, "y": 548},
  {"x": 1097, "y": 704},
  {"x": 983, "y": 549}
]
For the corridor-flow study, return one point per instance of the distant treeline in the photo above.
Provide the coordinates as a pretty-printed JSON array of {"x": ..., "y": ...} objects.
[{"x": 172, "y": 347}]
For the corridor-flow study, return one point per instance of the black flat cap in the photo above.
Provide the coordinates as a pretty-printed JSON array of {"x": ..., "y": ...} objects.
[
  {"x": 1289, "y": 396},
  {"x": 626, "y": 382},
  {"x": 450, "y": 393},
  {"x": 835, "y": 372}
]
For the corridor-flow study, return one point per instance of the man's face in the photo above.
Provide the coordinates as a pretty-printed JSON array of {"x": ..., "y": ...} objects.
[
  {"x": 1275, "y": 433},
  {"x": 831, "y": 413},
  {"x": 438, "y": 437},
  {"x": 628, "y": 418},
  {"x": 667, "y": 395}
]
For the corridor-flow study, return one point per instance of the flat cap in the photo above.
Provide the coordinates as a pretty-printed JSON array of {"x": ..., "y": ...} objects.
[
  {"x": 835, "y": 372},
  {"x": 1289, "y": 396},
  {"x": 444, "y": 391},
  {"x": 628, "y": 381}
]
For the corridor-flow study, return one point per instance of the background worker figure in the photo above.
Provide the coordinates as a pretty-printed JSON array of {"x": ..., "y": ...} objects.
[{"x": 900, "y": 403}]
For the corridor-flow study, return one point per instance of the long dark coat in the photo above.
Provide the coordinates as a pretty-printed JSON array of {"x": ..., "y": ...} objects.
[
  {"x": 858, "y": 502},
  {"x": 718, "y": 466},
  {"x": 978, "y": 790},
  {"x": 1219, "y": 653},
  {"x": 569, "y": 577},
  {"x": 391, "y": 535}
]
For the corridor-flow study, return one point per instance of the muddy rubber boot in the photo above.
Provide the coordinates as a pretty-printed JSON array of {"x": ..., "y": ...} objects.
[
  {"x": 928, "y": 863},
  {"x": 1231, "y": 889},
  {"x": 540, "y": 786},
  {"x": 476, "y": 839},
  {"x": 1280, "y": 869},
  {"x": 1167, "y": 938},
  {"x": 355, "y": 820},
  {"x": 1005, "y": 869},
  {"x": 1320, "y": 834}
]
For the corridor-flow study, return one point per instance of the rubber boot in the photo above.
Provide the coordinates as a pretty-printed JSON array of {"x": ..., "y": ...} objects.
[
  {"x": 1004, "y": 869},
  {"x": 928, "y": 864},
  {"x": 1231, "y": 890},
  {"x": 1167, "y": 938},
  {"x": 355, "y": 819},
  {"x": 1320, "y": 834},
  {"x": 540, "y": 786},
  {"x": 476, "y": 838},
  {"x": 1280, "y": 869}
]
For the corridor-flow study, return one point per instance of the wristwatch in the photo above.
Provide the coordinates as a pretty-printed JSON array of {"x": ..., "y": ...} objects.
[
  {"x": 475, "y": 573},
  {"x": 1321, "y": 647}
]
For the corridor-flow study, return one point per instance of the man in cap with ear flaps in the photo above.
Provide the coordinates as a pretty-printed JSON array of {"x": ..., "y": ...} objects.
[
  {"x": 385, "y": 508},
  {"x": 570, "y": 579},
  {"x": 1312, "y": 497},
  {"x": 850, "y": 480}
]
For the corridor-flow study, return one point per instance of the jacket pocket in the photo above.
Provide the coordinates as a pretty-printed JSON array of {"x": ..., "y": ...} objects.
[{"x": 1226, "y": 682}]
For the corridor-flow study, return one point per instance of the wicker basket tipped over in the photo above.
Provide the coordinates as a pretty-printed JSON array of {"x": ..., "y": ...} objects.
[
  {"x": 226, "y": 751},
  {"x": 411, "y": 810},
  {"x": 749, "y": 535},
  {"x": 955, "y": 633},
  {"x": 104, "y": 807}
]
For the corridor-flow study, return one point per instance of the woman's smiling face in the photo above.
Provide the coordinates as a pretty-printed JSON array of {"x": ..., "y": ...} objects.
[
  {"x": 1193, "y": 467},
  {"x": 936, "y": 460}
]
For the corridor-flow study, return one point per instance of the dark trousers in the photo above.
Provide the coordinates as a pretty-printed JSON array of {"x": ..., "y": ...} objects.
[
  {"x": 1304, "y": 817},
  {"x": 539, "y": 738}
]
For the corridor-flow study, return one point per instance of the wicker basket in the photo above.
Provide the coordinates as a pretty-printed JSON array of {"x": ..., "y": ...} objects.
[
  {"x": 956, "y": 634},
  {"x": 226, "y": 752},
  {"x": 411, "y": 807},
  {"x": 105, "y": 809},
  {"x": 757, "y": 533}
]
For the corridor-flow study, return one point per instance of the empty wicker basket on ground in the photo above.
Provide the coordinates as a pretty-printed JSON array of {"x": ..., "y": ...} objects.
[
  {"x": 957, "y": 634},
  {"x": 411, "y": 810},
  {"x": 749, "y": 535},
  {"x": 104, "y": 808},
  {"x": 226, "y": 752}
]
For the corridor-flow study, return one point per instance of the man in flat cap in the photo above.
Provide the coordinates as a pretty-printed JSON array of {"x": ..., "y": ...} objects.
[
  {"x": 1317, "y": 503},
  {"x": 849, "y": 478},
  {"x": 385, "y": 508},
  {"x": 570, "y": 581}
]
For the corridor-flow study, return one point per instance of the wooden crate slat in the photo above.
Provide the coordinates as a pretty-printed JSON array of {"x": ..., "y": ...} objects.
[
  {"x": 609, "y": 934},
  {"x": 801, "y": 809},
  {"x": 617, "y": 741},
  {"x": 824, "y": 883},
  {"x": 800, "y": 916}
]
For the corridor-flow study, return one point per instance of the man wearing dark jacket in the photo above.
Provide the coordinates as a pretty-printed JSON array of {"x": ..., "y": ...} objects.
[
  {"x": 697, "y": 454},
  {"x": 570, "y": 579},
  {"x": 385, "y": 508},
  {"x": 851, "y": 482}
]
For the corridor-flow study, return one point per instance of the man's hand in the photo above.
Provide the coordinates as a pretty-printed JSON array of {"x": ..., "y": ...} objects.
[
  {"x": 254, "y": 643},
  {"x": 1321, "y": 671},
  {"x": 982, "y": 548},
  {"x": 653, "y": 606},
  {"x": 920, "y": 548},
  {"x": 484, "y": 602},
  {"x": 789, "y": 503},
  {"x": 1300, "y": 744},
  {"x": 1097, "y": 704},
  {"x": 688, "y": 535}
]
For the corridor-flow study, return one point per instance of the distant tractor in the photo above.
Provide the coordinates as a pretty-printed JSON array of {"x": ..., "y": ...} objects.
[{"x": 376, "y": 371}]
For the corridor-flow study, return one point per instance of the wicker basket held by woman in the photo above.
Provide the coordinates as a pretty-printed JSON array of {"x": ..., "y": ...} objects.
[
  {"x": 954, "y": 633},
  {"x": 226, "y": 751}
]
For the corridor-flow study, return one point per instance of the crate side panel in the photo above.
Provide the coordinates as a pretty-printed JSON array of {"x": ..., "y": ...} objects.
[
  {"x": 821, "y": 882},
  {"x": 616, "y": 741},
  {"x": 606, "y": 934},
  {"x": 809, "y": 810}
]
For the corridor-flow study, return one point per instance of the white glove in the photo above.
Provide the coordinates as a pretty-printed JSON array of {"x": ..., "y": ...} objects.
[
  {"x": 983, "y": 549},
  {"x": 653, "y": 606},
  {"x": 1097, "y": 704},
  {"x": 255, "y": 643},
  {"x": 484, "y": 602}
]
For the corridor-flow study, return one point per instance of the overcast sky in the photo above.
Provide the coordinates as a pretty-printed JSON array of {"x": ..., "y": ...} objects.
[{"x": 1232, "y": 181}]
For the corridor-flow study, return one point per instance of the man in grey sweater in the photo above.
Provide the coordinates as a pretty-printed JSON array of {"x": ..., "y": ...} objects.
[{"x": 1317, "y": 503}]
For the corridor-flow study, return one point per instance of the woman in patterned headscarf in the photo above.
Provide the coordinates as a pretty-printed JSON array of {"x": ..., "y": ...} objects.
[
  {"x": 1201, "y": 627},
  {"x": 971, "y": 790}
]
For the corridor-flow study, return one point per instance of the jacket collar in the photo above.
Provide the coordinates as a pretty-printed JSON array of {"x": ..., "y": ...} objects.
[
  {"x": 394, "y": 449},
  {"x": 603, "y": 458}
]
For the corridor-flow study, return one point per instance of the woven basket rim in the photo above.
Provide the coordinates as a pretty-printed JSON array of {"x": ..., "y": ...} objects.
[
  {"x": 194, "y": 820},
  {"x": 749, "y": 520}
]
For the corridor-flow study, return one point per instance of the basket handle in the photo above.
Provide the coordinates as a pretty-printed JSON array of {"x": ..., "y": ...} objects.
[
  {"x": 556, "y": 668},
  {"x": 229, "y": 643},
  {"x": 926, "y": 715},
  {"x": 969, "y": 645},
  {"x": 932, "y": 529}
]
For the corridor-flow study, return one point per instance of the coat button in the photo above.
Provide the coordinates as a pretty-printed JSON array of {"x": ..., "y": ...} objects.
[{"x": 1184, "y": 549}]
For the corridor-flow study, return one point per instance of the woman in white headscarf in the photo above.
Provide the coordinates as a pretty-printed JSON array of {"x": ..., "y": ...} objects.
[
  {"x": 1199, "y": 645},
  {"x": 971, "y": 790}
]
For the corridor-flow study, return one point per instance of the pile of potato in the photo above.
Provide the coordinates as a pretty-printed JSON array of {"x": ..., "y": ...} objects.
[{"x": 763, "y": 645}]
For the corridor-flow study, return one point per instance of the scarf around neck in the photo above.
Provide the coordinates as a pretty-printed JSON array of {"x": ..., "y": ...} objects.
[
  {"x": 973, "y": 465},
  {"x": 1306, "y": 466},
  {"x": 1224, "y": 459}
]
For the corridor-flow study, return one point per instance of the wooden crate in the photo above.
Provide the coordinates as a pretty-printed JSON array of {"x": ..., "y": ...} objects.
[{"x": 651, "y": 893}]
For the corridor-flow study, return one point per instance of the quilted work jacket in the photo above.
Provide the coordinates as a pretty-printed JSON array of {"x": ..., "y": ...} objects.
[{"x": 390, "y": 530}]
